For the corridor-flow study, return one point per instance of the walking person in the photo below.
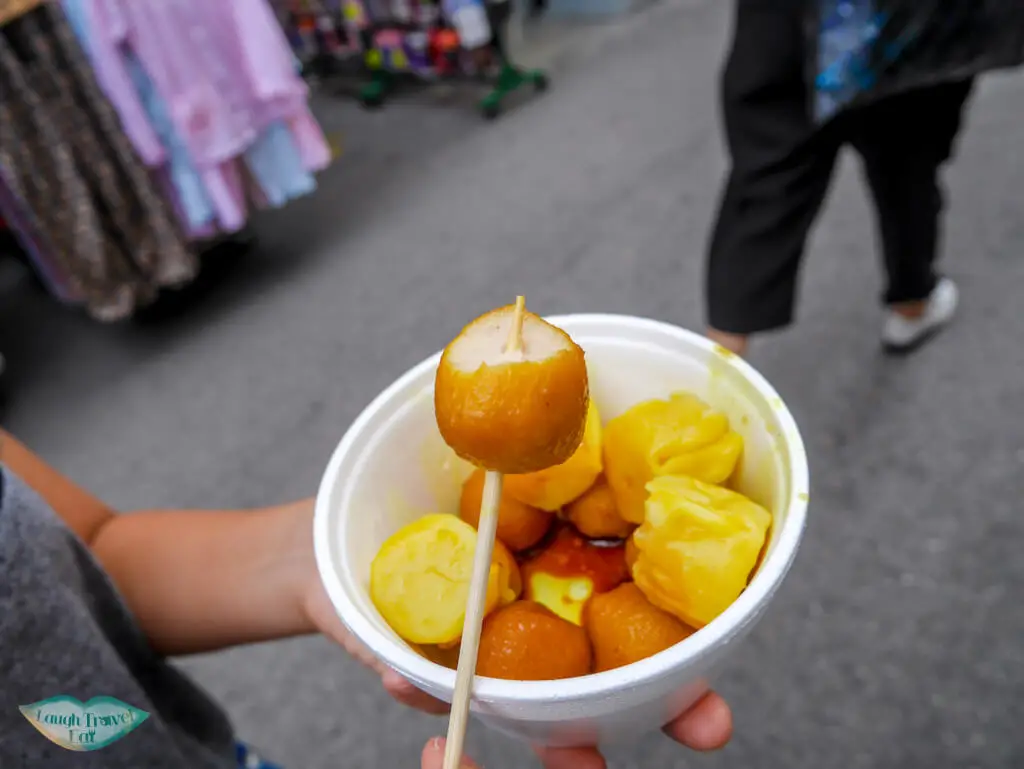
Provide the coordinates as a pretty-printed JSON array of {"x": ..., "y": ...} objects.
[{"x": 782, "y": 165}]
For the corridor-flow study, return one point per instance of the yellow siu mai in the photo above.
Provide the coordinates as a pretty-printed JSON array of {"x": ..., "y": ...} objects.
[
  {"x": 681, "y": 436},
  {"x": 557, "y": 486}
]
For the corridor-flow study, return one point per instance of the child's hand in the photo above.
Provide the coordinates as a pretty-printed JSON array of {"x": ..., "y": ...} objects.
[
  {"x": 707, "y": 726},
  {"x": 321, "y": 613},
  {"x": 433, "y": 756}
]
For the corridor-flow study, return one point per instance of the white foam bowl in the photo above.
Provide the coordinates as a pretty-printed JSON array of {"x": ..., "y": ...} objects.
[{"x": 392, "y": 467}]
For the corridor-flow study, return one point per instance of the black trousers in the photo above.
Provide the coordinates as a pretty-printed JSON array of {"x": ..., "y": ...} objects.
[{"x": 782, "y": 166}]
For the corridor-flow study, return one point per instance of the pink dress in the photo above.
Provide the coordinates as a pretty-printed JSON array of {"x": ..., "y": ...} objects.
[{"x": 226, "y": 73}]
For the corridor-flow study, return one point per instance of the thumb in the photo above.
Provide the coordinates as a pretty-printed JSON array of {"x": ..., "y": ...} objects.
[{"x": 433, "y": 756}]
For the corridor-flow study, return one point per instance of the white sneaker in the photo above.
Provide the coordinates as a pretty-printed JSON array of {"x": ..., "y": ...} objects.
[{"x": 902, "y": 334}]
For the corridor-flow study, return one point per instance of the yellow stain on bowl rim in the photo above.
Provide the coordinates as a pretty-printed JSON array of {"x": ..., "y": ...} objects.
[
  {"x": 734, "y": 395},
  {"x": 803, "y": 496},
  {"x": 724, "y": 352}
]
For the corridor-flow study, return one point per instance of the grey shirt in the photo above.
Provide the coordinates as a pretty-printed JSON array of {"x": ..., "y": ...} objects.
[{"x": 64, "y": 630}]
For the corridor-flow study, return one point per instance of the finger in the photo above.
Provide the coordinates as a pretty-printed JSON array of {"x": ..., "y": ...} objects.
[
  {"x": 363, "y": 655},
  {"x": 406, "y": 693},
  {"x": 706, "y": 726},
  {"x": 322, "y": 613},
  {"x": 570, "y": 758},
  {"x": 433, "y": 756}
]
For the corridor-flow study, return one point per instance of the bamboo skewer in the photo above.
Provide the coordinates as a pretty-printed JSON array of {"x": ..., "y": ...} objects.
[
  {"x": 488, "y": 527},
  {"x": 487, "y": 530},
  {"x": 515, "y": 335}
]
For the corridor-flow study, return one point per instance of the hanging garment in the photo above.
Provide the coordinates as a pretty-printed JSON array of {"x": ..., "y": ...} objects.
[
  {"x": 35, "y": 244},
  {"x": 227, "y": 83},
  {"x": 253, "y": 40},
  {"x": 66, "y": 157},
  {"x": 145, "y": 120},
  {"x": 135, "y": 119},
  {"x": 195, "y": 206},
  {"x": 276, "y": 165},
  {"x": 256, "y": 46},
  {"x": 309, "y": 138},
  {"x": 140, "y": 214},
  {"x": 211, "y": 133}
]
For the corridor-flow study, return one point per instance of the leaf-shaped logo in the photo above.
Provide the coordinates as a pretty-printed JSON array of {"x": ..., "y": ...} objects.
[{"x": 75, "y": 725}]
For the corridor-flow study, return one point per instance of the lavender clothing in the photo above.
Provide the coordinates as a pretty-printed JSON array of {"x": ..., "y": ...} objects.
[
  {"x": 226, "y": 75},
  {"x": 99, "y": 43},
  {"x": 224, "y": 68},
  {"x": 145, "y": 121}
]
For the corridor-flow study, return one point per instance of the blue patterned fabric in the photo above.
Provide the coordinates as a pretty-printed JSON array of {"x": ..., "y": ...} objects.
[
  {"x": 847, "y": 34},
  {"x": 250, "y": 759},
  {"x": 866, "y": 49}
]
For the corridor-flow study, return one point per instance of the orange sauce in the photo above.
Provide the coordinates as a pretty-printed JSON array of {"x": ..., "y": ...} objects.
[
  {"x": 567, "y": 569},
  {"x": 571, "y": 555}
]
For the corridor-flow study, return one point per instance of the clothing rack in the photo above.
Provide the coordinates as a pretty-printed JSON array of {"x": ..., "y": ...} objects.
[{"x": 111, "y": 189}]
